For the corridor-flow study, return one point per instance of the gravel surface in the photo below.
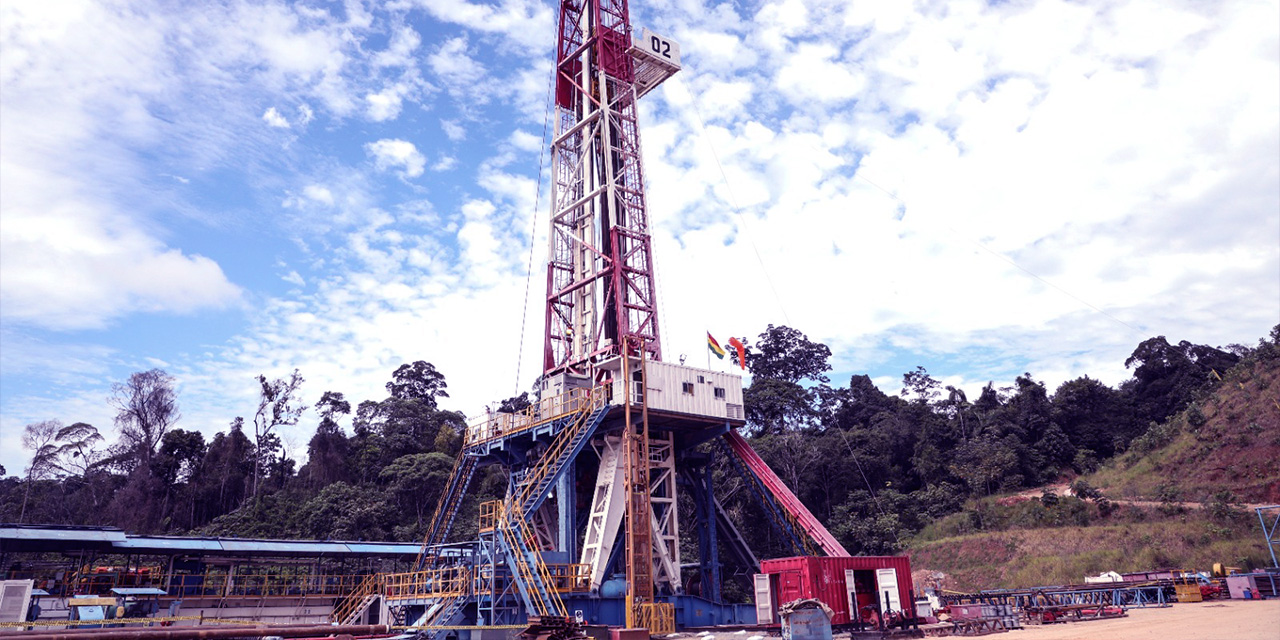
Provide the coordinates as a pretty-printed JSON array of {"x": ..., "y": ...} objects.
[{"x": 1214, "y": 620}]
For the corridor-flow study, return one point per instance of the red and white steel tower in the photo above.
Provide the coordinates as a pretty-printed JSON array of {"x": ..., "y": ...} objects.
[{"x": 601, "y": 292}]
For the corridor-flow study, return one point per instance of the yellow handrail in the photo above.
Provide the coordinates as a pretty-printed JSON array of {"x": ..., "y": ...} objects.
[
  {"x": 497, "y": 424},
  {"x": 371, "y": 585},
  {"x": 594, "y": 399},
  {"x": 283, "y": 582}
]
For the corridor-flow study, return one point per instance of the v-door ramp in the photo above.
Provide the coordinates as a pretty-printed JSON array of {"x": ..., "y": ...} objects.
[{"x": 783, "y": 495}]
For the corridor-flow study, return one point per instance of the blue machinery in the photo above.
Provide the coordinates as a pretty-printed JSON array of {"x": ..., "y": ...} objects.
[{"x": 1269, "y": 532}]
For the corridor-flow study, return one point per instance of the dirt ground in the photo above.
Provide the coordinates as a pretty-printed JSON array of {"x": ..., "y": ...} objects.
[{"x": 1225, "y": 620}]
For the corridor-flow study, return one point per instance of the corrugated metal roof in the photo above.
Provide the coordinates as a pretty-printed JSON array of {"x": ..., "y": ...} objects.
[
  {"x": 69, "y": 535},
  {"x": 139, "y": 591},
  {"x": 148, "y": 543},
  {"x": 376, "y": 548},
  {"x": 37, "y": 539},
  {"x": 281, "y": 546}
]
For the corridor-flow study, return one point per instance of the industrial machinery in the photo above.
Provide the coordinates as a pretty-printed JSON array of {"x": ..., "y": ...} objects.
[{"x": 590, "y": 525}]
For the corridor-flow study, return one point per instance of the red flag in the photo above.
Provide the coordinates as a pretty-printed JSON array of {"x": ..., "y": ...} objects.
[{"x": 742, "y": 352}]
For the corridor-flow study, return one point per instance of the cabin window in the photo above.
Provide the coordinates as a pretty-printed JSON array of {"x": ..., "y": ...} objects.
[
  {"x": 719, "y": 393},
  {"x": 701, "y": 379},
  {"x": 687, "y": 387}
]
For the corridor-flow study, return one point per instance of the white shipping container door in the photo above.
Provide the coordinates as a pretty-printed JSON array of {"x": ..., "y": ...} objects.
[
  {"x": 887, "y": 590},
  {"x": 15, "y": 597},
  {"x": 764, "y": 599},
  {"x": 851, "y": 590}
]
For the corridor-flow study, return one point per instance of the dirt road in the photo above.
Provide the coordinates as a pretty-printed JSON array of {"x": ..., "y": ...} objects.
[{"x": 1222, "y": 620}]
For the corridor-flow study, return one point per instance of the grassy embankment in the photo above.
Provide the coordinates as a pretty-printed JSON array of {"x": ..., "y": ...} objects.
[{"x": 1223, "y": 448}]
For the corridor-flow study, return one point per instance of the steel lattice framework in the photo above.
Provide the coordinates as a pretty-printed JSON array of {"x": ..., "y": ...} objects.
[{"x": 600, "y": 283}]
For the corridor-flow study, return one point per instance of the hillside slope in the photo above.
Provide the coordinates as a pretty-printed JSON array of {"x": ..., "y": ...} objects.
[
  {"x": 1065, "y": 555},
  {"x": 1227, "y": 441},
  {"x": 1223, "y": 448}
]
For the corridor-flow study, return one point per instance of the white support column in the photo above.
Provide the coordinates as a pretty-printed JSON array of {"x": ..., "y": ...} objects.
[
  {"x": 608, "y": 505},
  {"x": 665, "y": 515}
]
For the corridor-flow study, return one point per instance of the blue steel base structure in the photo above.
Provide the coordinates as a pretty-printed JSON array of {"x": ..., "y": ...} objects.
[{"x": 691, "y": 611}]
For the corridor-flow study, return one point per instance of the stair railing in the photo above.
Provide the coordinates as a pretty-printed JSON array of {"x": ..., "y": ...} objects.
[{"x": 372, "y": 584}]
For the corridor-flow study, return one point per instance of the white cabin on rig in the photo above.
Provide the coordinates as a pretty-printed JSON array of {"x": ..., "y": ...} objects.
[{"x": 675, "y": 388}]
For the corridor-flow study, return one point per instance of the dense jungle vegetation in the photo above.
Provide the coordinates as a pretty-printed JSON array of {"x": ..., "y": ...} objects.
[{"x": 877, "y": 468}]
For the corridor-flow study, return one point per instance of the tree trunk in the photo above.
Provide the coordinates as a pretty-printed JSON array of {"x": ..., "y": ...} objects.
[{"x": 25, "y": 494}]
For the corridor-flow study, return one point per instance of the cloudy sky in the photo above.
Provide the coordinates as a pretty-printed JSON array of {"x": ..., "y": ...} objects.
[{"x": 223, "y": 189}]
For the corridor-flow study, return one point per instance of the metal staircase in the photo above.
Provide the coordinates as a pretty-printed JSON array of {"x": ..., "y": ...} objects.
[
  {"x": 800, "y": 544},
  {"x": 464, "y": 469},
  {"x": 351, "y": 606},
  {"x": 532, "y": 490},
  {"x": 536, "y": 585},
  {"x": 443, "y": 616},
  {"x": 532, "y": 579},
  {"x": 806, "y": 532}
]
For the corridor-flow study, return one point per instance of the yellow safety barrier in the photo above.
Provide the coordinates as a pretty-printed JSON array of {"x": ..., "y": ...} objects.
[
  {"x": 429, "y": 583},
  {"x": 658, "y": 617},
  {"x": 120, "y": 622},
  {"x": 221, "y": 584}
]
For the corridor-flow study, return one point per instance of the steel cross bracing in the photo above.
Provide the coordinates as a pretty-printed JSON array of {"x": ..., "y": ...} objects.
[{"x": 600, "y": 282}]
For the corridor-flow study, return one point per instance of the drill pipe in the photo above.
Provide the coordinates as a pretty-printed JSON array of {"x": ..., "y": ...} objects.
[{"x": 202, "y": 633}]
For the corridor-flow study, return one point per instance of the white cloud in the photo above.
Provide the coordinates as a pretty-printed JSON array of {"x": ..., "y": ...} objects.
[
  {"x": 1134, "y": 167},
  {"x": 453, "y": 130},
  {"x": 526, "y": 22},
  {"x": 445, "y": 163},
  {"x": 274, "y": 119},
  {"x": 815, "y": 72},
  {"x": 384, "y": 105},
  {"x": 390, "y": 153},
  {"x": 70, "y": 263},
  {"x": 318, "y": 193},
  {"x": 525, "y": 141},
  {"x": 399, "y": 53}
]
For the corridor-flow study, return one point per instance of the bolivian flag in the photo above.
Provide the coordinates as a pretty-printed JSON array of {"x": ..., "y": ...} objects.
[{"x": 714, "y": 346}]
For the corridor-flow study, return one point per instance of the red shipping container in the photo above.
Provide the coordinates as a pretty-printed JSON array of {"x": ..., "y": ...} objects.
[{"x": 823, "y": 578}]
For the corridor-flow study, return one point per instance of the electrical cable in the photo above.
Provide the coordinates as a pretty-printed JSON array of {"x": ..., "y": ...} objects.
[
  {"x": 993, "y": 252},
  {"x": 533, "y": 228},
  {"x": 733, "y": 202}
]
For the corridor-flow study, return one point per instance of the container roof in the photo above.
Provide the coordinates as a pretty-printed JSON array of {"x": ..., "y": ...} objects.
[
  {"x": 41, "y": 539},
  {"x": 139, "y": 591}
]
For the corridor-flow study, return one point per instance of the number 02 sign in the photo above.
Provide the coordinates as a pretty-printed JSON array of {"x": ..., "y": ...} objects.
[{"x": 660, "y": 47}]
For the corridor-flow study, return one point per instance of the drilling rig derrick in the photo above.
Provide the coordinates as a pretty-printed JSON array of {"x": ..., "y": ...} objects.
[{"x": 612, "y": 430}]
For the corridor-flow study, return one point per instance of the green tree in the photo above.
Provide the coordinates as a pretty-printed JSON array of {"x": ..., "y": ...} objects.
[
  {"x": 783, "y": 353},
  {"x": 226, "y": 473},
  {"x": 418, "y": 381},
  {"x": 922, "y": 387},
  {"x": 1094, "y": 416},
  {"x": 777, "y": 406},
  {"x": 78, "y": 450},
  {"x": 1166, "y": 377},
  {"x": 277, "y": 407},
  {"x": 146, "y": 407},
  {"x": 416, "y": 481},
  {"x": 40, "y": 438},
  {"x": 329, "y": 449},
  {"x": 983, "y": 463}
]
